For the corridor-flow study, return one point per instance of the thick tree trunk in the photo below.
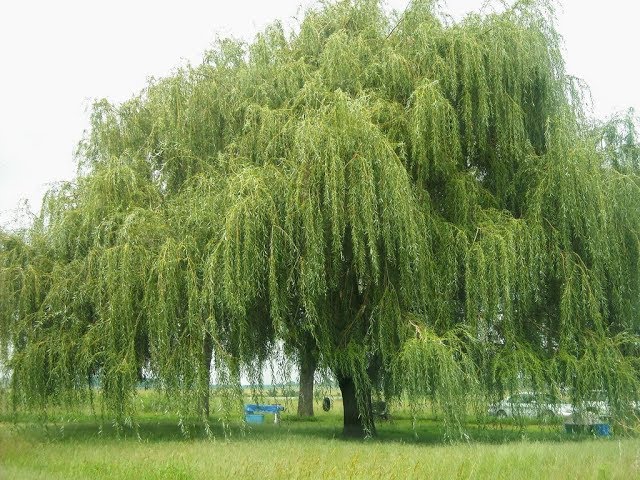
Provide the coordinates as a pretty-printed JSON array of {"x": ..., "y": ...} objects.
[
  {"x": 207, "y": 355},
  {"x": 308, "y": 364},
  {"x": 355, "y": 421}
]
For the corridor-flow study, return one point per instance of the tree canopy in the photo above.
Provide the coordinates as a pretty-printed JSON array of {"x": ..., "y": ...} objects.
[{"x": 424, "y": 199}]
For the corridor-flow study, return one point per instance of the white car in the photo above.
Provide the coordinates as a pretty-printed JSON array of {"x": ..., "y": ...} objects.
[
  {"x": 596, "y": 402},
  {"x": 530, "y": 405}
]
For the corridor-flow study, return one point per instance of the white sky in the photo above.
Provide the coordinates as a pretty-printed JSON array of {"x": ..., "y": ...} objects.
[{"x": 57, "y": 57}]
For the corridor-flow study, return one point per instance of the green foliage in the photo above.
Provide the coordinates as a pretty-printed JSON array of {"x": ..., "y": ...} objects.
[
  {"x": 308, "y": 449},
  {"x": 422, "y": 198}
]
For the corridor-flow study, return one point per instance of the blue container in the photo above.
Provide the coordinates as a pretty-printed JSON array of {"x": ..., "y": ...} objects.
[
  {"x": 602, "y": 430},
  {"x": 254, "y": 418}
]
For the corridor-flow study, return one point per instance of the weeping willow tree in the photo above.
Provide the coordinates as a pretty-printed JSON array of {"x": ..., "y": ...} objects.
[{"x": 418, "y": 203}]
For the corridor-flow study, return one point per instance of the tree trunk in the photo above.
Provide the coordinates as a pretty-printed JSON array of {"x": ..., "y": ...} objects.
[
  {"x": 356, "y": 423},
  {"x": 308, "y": 364},
  {"x": 207, "y": 355}
]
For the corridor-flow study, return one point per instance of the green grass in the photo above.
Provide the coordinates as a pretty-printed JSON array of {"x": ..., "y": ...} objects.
[{"x": 76, "y": 447}]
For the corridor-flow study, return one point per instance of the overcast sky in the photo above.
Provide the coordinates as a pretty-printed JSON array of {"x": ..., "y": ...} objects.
[{"x": 57, "y": 57}]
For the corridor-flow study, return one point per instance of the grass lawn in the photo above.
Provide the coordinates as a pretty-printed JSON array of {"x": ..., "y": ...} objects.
[{"x": 157, "y": 449}]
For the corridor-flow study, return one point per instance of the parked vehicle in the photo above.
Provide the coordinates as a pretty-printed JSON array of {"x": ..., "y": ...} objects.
[
  {"x": 530, "y": 405},
  {"x": 597, "y": 403}
]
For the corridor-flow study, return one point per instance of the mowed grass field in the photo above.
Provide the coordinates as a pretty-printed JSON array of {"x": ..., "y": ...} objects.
[{"x": 78, "y": 447}]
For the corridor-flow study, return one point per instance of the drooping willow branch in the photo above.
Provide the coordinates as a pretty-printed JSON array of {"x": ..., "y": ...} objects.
[{"x": 430, "y": 206}]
